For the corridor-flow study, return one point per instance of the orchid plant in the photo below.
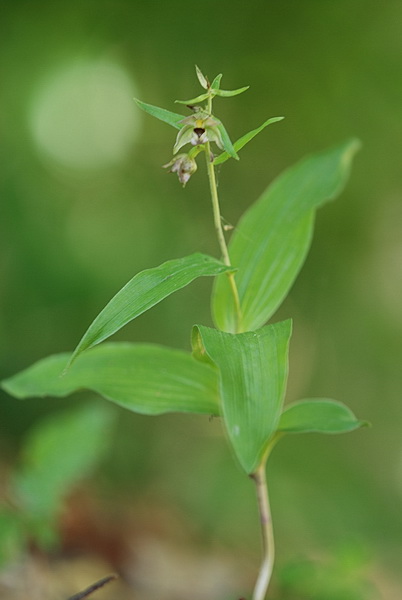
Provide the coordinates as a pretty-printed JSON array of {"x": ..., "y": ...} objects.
[{"x": 237, "y": 370}]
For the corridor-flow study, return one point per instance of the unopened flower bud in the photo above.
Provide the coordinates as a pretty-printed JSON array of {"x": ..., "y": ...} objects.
[{"x": 184, "y": 165}]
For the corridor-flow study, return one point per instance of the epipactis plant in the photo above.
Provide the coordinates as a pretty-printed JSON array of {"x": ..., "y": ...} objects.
[{"x": 239, "y": 369}]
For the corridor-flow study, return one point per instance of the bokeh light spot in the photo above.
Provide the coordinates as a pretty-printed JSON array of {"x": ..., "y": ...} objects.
[{"x": 84, "y": 117}]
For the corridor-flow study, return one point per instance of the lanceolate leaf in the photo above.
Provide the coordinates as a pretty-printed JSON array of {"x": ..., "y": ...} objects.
[
  {"x": 245, "y": 139},
  {"x": 145, "y": 290},
  {"x": 201, "y": 78},
  {"x": 271, "y": 241},
  {"x": 162, "y": 114},
  {"x": 319, "y": 416},
  {"x": 253, "y": 371},
  {"x": 143, "y": 378},
  {"x": 215, "y": 85},
  {"x": 195, "y": 100},
  {"x": 229, "y": 93},
  {"x": 227, "y": 143}
]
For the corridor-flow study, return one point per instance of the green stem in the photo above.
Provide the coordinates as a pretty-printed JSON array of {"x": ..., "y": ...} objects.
[
  {"x": 220, "y": 234},
  {"x": 268, "y": 546},
  {"x": 259, "y": 477}
]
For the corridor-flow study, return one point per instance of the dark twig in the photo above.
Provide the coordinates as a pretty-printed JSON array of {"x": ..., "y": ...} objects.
[{"x": 92, "y": 588}]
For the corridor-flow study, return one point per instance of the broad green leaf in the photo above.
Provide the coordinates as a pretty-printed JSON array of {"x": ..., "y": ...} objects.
[
  {"x": 319, "y": 416},
  {"x": 145, "y": 290},
  {"x": 199, "y": 98},
  {"x": 227, "y": 143},
  {"x": 59, "y": 451},
  {"x": 245, "y": 139},
  {"x": 162, "y": 114},
  {"x": 201, "y": 78},
  {"x": 143, "y": 378},
  {"x": 229, "y": 93},
  {"x": 215, "y": 85},
  {"x": 271, "y": 241},
  {"x": 253, "y": 370}
]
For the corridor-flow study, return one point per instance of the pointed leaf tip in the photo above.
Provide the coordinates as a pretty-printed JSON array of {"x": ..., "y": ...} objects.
[
  {"x": 271, "y": 241},
  {"x": 245, "y": 139},
  {"x": 229, "y": 93},
  {"x": 216, "y": 82},
  {"x": 195, "y": 100},
  {"x": 320, "y": 415},
  {"x": 145, "y": 290},
  {"x": 201, "y": 78},
  {"x": 142, "y": 378},
  {"x": 162, "y": 114},
  {"x": 253, "y": 370}
]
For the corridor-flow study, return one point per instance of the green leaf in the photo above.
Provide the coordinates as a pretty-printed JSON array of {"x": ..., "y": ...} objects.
[
  {"x": 162, "y": 114},
  {"x": 227, "y": 143},
  {"x": 199, "y": 98},
  {"x": 57, "y": 453},
  {"x": 146, "y": 379},
  {"x": 201, "y": 78},
  {"x": 319, "y": 416},
  {"x": 245, "y": 139},
  {"x": 145, "y": 290},
  {"x": 253, "y": 371},
  {"x": 272, "y": 239},
  {"x": 229, "y": 93},
  {"x": 215, "y": 85}
]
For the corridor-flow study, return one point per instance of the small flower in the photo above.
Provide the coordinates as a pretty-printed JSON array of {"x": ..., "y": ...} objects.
[
  {"x": 184, "y": 165},
  {"x": 198, "y": 129}
]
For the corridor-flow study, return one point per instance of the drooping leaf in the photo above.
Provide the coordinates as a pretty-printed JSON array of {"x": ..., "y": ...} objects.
[
  {"x": 162, "y": 114},
  {"x": 229, "y": 93},
  {"x": 253, "y": 371},
  {"x": 245, "y": 139},
  {"x": 271, "y": 241},
  {"x": 146, "y": 379},
  {"x": 201, "y": 78},
  {"x": 145, "y": 290},
  {"x": 195, "y": 100},
  {"x": 59, "y": 451},
  {"x": 319, "y": 416},
  {"x": 215, "y": 85}
]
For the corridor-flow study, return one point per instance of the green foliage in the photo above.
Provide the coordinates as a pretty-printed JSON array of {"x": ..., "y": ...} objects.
[
  {"x": 238, "y": 371},
  {"x": 143, "y": 378},
  {"x": 245, "y": 139},
  {"x": 249, "y": 369},
  {"x": 271, "y": 241},
  {"x": 57, "y": 454},
  {"x": 45, "y": 476},
  {"x": 215, "y": 85},
  {"x": 318, "y": 416},
  {"x": 253, "y": 370},
  {"x": 343, "y": 576},
  {"x": 145, "y": 290},
  {"x": 229, "y": 93},
  {"x": 162, "y": 114},
  {"x": 195, "y": 100},
  {"x": 227, "y": 143}
]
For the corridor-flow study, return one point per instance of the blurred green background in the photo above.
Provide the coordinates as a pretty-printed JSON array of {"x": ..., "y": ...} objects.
[{"x": 85, "y": 205}]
